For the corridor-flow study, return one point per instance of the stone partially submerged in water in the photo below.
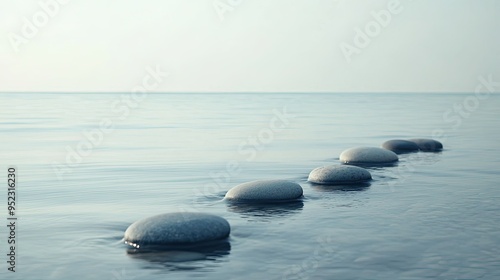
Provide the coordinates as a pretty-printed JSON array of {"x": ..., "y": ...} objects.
[
  {"x": 265, "y": 191},
  {"x": 338, "y": 175},
  {"x": 367, "y": 156},
  {"x": 427, "y": 145},
  {"x": 182, "y": 228},
  {"x": 400, "y": 146}
]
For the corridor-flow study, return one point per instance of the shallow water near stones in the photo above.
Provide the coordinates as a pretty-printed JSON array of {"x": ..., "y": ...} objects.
[
  {"x": 181, "y": 253},
  {"x": 431, "y": 216},
  {"x": 360, "y": 186}
]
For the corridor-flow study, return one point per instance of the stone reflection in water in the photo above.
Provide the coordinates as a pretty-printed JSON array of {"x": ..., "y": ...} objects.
[
  {"x": 182, "y": 257},
  {"x": 345, "y": 187},
  {"x": 267, "y": 210}
]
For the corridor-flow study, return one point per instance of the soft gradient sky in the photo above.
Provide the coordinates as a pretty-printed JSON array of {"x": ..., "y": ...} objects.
[{"x": 258, "y": 45}]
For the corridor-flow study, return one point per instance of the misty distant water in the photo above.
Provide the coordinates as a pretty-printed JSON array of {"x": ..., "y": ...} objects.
[{"x": 89, "y": 165}]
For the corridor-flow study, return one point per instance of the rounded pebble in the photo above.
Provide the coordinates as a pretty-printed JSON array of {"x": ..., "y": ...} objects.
[
  {"x": 368, "y": 155},
  {"x": 400, "y": 146},
  {"x": 265, "y": 191},
  {"x": 177, "y": 229},
  {"x": 339, "y": 174},
  {"x": 428, "y": 145}
]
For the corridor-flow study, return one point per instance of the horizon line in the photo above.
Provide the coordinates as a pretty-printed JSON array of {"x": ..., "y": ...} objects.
[{"x": 243, "y": 92}]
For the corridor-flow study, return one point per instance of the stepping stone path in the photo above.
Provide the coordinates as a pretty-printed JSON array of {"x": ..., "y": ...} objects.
[{"x": 184, "y": 228}]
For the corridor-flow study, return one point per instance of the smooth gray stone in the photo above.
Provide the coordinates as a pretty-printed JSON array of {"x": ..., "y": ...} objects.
[
  {"x": 339, "y": 174},
  {"x": 428, "y": 145},
  {"x": 177, "y": 228},
  {"x": 400, "y": 146},
  {"x": 265, "y": 191},
  {"x": 368, "y": 155}
]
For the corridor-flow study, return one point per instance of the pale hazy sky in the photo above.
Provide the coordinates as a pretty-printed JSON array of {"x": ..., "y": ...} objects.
[{"x": 249, "y": 45}]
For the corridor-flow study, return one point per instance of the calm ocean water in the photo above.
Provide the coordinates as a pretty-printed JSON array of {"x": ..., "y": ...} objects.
[{"x": 89, "y": 165}]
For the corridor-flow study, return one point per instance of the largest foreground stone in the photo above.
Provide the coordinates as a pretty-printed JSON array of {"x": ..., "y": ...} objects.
[{"x": 180, "y": 228}]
